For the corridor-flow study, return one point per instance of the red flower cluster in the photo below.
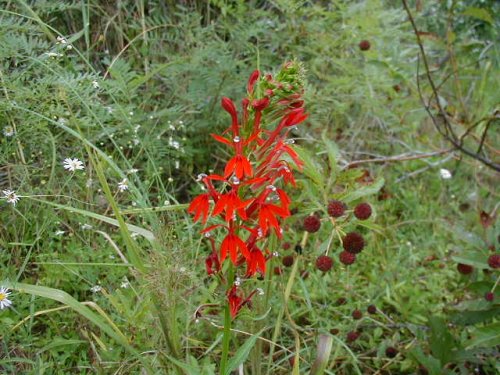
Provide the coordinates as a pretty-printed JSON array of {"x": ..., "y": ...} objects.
[{"x": 248, "y": 205}]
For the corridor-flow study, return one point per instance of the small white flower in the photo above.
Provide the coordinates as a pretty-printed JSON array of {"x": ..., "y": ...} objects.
[
  {"x": 123, "y": 185},
  {"x": 95, "y": 84},
  {"x": 132, "y": 171},
  {"x": 4, "y": 298},
  {"x": 237, "y": 282},
  {"x": 445, "y": 174},
  {"x": 96, "y": 288},
  {"x": 276, "y": 254},
  {"x": 89, "y": 183},
  {"x": 53, "y": 54},
  {"x": 73, "y": 164},
  {"x": 125, "y": 284},
  {"x": 10, "y": 196},
  {"x": 86, "y": 227},
  {"x": 170, "y": 179},
  {"x": 8, "y": 131},
  {"x": 260, "y": 291},
  {"x": 59, "y": 232}
]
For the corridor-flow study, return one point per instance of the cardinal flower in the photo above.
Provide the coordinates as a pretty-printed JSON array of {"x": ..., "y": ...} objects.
[
  {"x": 240, "y": 166},
  {"x": 230, "y": 203},
  {"x": 199, "y": 207},
  {"x": 256, "y": 262},
  {"x": 233, "y": 245}
]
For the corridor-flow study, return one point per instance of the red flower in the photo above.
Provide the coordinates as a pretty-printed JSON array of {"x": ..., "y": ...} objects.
[
  {"x": 251, "y": 81},
  {"x": 267, "y": 217},
  {"x": 256, "y": 262},
  {"x": 240, "y": 166},
  {"x": 229, "y": 106},
  {"x": 231, "y": 244},
  {"x": 212, "y": 263},
  {"x": 235, "y": 301},
  {"x": 230, "y": 203},
  {"x": 199, "y": 207}
]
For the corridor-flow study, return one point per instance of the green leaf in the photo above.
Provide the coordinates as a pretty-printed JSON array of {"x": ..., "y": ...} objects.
[
  {"x": 242, "y": 353},
  {"x": 474, "y": 317},
  {"x": 364, "y": 191},
  {"x": 479, "y": 13},
  {"x": 431, "y": 364},
  {"x": 64, "y": 298},
  {"x": 472, "y": 258},
  {"x": 487, "y": 336},
  {"x": 312, "y": 169},
  {"x": 441, "y": 341}
]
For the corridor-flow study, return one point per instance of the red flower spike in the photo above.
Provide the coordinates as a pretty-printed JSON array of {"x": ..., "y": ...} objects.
[
  {"x": 199, "y": 207},
  {"x": 251, "y": 81},
  {"x": 240, "y": 166},
  {"x": 268, "y": 218},
  {"x": 231, "y": 244}
]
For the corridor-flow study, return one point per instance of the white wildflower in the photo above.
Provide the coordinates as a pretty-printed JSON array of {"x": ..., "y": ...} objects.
[
  {"x": 73, "y": 164},
  {"x": 132, "y": 171},
  {"x": 260, "y": 291},
  {"x": 86, "y": 227},
  {"x": 8, "y": 131},
  {"x": 95, "y": 84},
  {"x": 125, "y": 284},
  {"x": 123, "y": 185},
  {"x": 4, "y": 298},
  {"x": 237, "y": 282},
  {"x": 10, "y": 196},
  {"x": 59, "y": 232},
  {"x": 445, "y": 174},
  {"x": 53, "y": 54},
  {"x": 96, "y": 289}
]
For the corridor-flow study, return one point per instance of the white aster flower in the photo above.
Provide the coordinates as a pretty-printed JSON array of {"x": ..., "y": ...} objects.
[
  {"x": 445, "y": 174},
  {"x": 125, "y": 284},
  {"x": 10, "y": 196},
  {"x": 4, "y": 298},
  {"x": 53, "y": 54},
  {"x": 73, "y": 164},
  {"x": 8, "y": 131},
  {"x": 96, "y": 289},
  {"x": 95, "y": 84},
  {"x": 132, "y": 171},
  {"x": 123, "y": 185},
  {"x": 59, "y": 232},
  {"x": 86, "y": 227}
]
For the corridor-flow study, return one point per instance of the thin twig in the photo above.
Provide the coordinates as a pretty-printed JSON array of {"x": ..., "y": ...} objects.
[
  {"x": 398, "y": 158},
  {"x": 449, "y": 134}
]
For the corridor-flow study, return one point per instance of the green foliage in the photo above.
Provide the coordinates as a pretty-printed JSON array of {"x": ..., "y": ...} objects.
[{"x": 137, "y": 96}]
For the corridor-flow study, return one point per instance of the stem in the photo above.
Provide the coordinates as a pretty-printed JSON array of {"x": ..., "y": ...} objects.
[{"x": 226, "y": 339}]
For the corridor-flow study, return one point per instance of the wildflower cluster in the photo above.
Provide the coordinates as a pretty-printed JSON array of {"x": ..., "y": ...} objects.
[{"x": 248, "y": 205}]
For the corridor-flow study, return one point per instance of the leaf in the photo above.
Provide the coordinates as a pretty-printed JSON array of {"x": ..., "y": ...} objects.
[
  {"x": 474, "y": 317},
  {"x": 64, "y": 298},
  {"x": 431, "y": 364},
  {"x": 241, "y": 355},
  {"x": 311, "y": 168},
  {"x": 487, "y": 336},
  {"x": 472, "y": 258},
  {"x": 363, "y": 191},
  {"x": 479, "y": 13},
  {"x": 324, "y": 350},
  {"x": 133, "y": 228},
  {"x": 441, "y": 341}
]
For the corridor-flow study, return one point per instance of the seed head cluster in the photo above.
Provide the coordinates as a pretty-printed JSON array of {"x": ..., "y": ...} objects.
[
  {"x": 494, "y": 261},
  {"x": 336, "y": 208},
  {"x": 324, "y": 263},
  {"x": 464, "y": 269},
  {"x": 353, "y": 242}
]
